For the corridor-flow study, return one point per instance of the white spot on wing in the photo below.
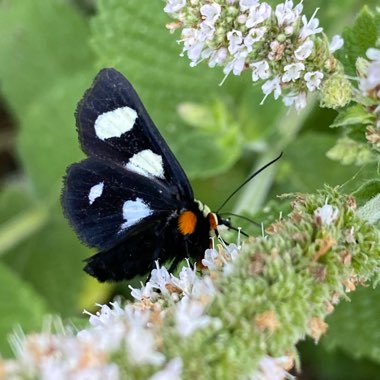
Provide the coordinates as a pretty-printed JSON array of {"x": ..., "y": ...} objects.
[
  {"x": 115, "y": 123},
  {"x": 134, "y": 211},
  {"x": 147, "y": 164},
  {"x": 95, "y": 192}
]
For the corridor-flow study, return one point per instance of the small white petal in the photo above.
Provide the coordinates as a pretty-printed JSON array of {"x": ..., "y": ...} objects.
[{"x": 336, "y": 43}]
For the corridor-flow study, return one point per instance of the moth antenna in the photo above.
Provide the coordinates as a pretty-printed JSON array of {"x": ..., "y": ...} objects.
[
  {"x": 247, "y": 180},
  {"x": 241, "y": 217}
]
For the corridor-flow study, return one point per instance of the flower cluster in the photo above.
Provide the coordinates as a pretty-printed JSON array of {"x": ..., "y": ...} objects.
[
  {"x": 277, "y": 45},
  {"x": 369, "y": 87},
  {"x": 233, "y": 315}
]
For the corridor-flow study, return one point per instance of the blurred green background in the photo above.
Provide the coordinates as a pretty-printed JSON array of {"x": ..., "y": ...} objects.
[{"x": 50, "y": 52}]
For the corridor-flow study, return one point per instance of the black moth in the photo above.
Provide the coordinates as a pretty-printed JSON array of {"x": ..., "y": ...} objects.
[{"x": 130, "y": 198}]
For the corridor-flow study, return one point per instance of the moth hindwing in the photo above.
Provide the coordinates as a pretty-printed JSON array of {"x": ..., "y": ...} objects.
[{"x": 129, "y": 198}]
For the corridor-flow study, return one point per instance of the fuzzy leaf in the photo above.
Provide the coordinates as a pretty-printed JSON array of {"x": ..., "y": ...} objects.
[
  {"x": 48, "y": 131},
  {"x": 353, "y": 115},
  {"x": 355, "y": 326},
  {"x": 368, "y": 190},
  {"x": 348, "y": 151},
  {"x": 40, "y": 42},
  {"x": 357, "y": 39}
]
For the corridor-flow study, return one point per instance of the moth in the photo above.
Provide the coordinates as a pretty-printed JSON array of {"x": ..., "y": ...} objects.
[{"x": 130, "y": 198}]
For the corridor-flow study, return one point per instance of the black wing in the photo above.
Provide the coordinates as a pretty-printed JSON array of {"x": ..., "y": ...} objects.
[
  {"x": 106, "y": 204},
  {"x": 113, "y": 125},
  {"x": 129, "y": 217}
]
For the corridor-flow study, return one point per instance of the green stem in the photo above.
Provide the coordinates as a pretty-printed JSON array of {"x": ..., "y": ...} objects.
[
  {"x": 254, "y": 194},
  {"x": 21, "y": 227}
]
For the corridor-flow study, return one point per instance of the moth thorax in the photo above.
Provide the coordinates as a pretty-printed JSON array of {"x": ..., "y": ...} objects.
[
  {"x": 213, "y": 220},
  {"x": 187, "y": 221},
  {"x": 204, "y": 209}
]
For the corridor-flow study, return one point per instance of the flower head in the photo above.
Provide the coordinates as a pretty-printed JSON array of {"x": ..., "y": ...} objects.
[{"x": 276, "y": 43}]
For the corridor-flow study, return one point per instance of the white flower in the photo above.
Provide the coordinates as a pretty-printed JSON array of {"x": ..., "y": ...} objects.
[
  {"x": 271, "y": 369},
  {"x": 285, "y": 13},
  {"x": 172, "y": 371},
  {"x": 373, "y": 54},
  {"x": 371, "y": 82},
  {"x": 210, "y": 259},
  {"x": 260, "y": 70},
  {"x": 159, "y": 278},
  {"x": 311, "y": 27},
  {"x": 206, "y": 31},
  {"x": 313, "y": 80},
  {"x": 189, "y": 316},
  {"x": 218, "y": 57},
  {"x": 141, "y": 347},
  {"x": 254, "y": 35},
  {"x": 304, "y": 50},
  {"x": 292, "y": 71},
  {"x": 247, "y": 4},
  {"x": 174, "y": 6},
  {"x": 186, "y": 280},
  {"x": 211, "y": 12},
  {"x": 146, "y": 291},
  {"x": 258, "y": 14},
  {"x": 326, "y": 214},
  {"x": 236, "y": 65},
  {"x": 270, "y": 86},
  {"x": 235, "y": 39},
  {"x": 298, "y": 100},
  {"x": 336, "y": 43}
]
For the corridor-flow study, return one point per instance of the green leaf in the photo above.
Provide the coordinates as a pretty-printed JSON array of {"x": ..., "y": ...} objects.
[
  {"x": 355, "y": 326},
  {"x": 357, "y": 39},
  {"x": 371, "y": 210},
  {"x": 367, "y": 190},
  {"x": 348, "y": 151},
  {"x": 304, "y": 166},
  {"x": 21, "y": 305},
  {"x": 48, "y": 141},
  {"x": 220, "y": 151},
  {"x": 353, "y": 115},
  {"x": 40, "y": 42}
]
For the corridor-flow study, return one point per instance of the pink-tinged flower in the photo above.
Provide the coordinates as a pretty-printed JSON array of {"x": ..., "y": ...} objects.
[
  {"x": 260, "y": 70},
  {"x": 313, "y": 80},
  {"x": 336, "y": 43},
  {"x": 304, "y": 50},
  {"x": 292, "y": 72}
]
